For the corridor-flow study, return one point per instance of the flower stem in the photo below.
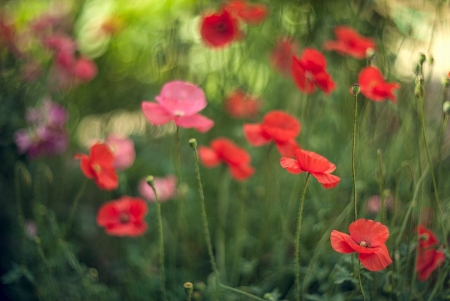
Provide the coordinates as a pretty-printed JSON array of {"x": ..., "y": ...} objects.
[
  {"x": 355, "y": 214},
  {"x": 297, "y": 240},
  {"x": 360, "y": 282},
  {"x": 193, "y": 144},
  {"x": 21, "y": 171},
  {"x": 380, "y": 185},
  {"x": 76, "y": 201},
  {"x": 161, "y": 237}
]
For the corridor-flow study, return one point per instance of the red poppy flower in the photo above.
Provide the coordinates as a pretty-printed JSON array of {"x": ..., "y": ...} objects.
[
  {"x": 367, "y": 238},
  {"x": 308, "y": 71},
  {"x": 277, "y": 126},
  {"x": 219, "y": 29},
  {"x": 123, "y": 217},
  {"x": 99, "y": 165},
  {"x": 281, "y": 56},
  {"x": 350, "y": 42},
  {"x": 319, "y": 167},
  {"x": 429, "y": 257},
  {"x": 224, "y": 150},
  {"x": 374, "y": 87},
  {"x": 250, "y": 13},
  {"x": 241, "y": 105}
]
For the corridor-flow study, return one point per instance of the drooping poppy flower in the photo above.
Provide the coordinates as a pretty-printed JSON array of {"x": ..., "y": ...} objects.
[
  {"x": 350, "y": 42},
  {"x": 250, "y": 13},
  {"x": 123, "y": 217},
  {"x": 367, "y": 238},
  {"x": 238, "y": 104},
  {"x": 224, "y": 150},
  {"x": 123, "y": 150},
  {"x": 319, "y": 167},
  {"x": 374, "y": 87},
  {"x": 165, "y": 188},
  {"x": 219, "y": 29},
  {"x": 277, "y": 126},
  {"x": 179, "y": 102},
  {"x": 99, "y": 165},
  {"x": 429, "y": 256},
  {"x": 309, "y": 71},
  {"x": 281, "y": 56}
]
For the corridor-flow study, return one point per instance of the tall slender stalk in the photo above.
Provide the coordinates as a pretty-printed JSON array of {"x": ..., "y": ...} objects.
[
  {"x": 150, "y": 181},
  {"x": 193, "y": 144},
  {"x": 297, "y": 241},
  {"x": 76, "y": 201}
]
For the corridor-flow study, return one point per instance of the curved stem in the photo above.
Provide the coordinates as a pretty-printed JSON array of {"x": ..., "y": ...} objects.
[
  {"x": 212, "y": 260},
  {"x": 360, "y": 282},
  {"x": 355, "y": 215},
  {"x": 297, "y": 240},
  {"x": 76, "y": 201}
]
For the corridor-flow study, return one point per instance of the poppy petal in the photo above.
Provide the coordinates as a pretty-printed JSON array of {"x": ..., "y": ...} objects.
[
  {"x": 85, "y": 165},
  {"x": 241, "y": 172},
  {"x": 291, "y": 165},
  {"x": 100, "y": 153},
  {"x": 376, "y": 261},
  {"x": 374, "y": 233},
  {"x": 181, "y": 98},
  {"x": 197, "y": 121},
  {"x": 328, "y": 181},
  {"x": 230, "y": 152},
  {"x": 208, "y": 156},
  {"x": 254, "y": 135},
  {"x": 301, "y": 80},
  {"x": 426, "y": 271},
  {"x": 107, "y": 179},
  {"x": 280, "y": 126},
  {"x": 155, "y": 113},
  {"x": 339, "y": 243},
  {"x": 312, "y": 162},
  {"x": 287, "y": 149}
]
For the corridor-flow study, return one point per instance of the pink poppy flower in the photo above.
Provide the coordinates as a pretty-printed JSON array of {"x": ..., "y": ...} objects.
[
  {"x": 165, "y": 188},
  {"x": 374, "y": 87},
  {"x": 179, "y": 102},
  {"x": 123, "y": 150}
]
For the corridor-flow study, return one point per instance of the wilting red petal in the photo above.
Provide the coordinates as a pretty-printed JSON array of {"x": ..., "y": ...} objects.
[
  {"x": 287, "y": 148},
  {"x": 350, "y": 42},
  {"x": 373, "y": 85},
  {"x": 247, "y": 12},
  {"x": 339, "y": 243},
  {"x": 301, "y": 79},
  {"x": 376, "y": 261},
  {"x": 373, "y": 233},
  {"x": 197, "y": 121},
  {"x": 219, "y": 29},
  {"x": 155, "y": 113},
  {"x": 312, "y": 162},
  {"x": 328, "y": 181},
  {"x": 291, "y": 165},
  {"x": 208, "y": 156},
  {"x": 241, "y": 172},
  {"x": 324, "y": 82},
  {"x": 429, "y": 257},
  {"x": 426, "y": 271},
  {"x": 254, "y": 134},
  {"x": 280, "y": 126}
]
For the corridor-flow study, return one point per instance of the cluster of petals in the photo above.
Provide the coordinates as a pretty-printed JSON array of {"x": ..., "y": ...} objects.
[
  {"x": 367, "y": 238},
  {"x": 281, "y": 56},
  {"x": 123, "y": 150},
  {"x": 223, "y": 150},
  {"x": 221, "y": 28},
  {"x": 123, "y": 217},
  {"x": 165, "y": 188},
  {"x": 374, "y": 87},
  {"x": 349, "y": 42},
  {"x": 277, "y": 126},
  {"x": 46, "y": 133},
  {"x": 99, "y": 165},
  {"x": 319, "y": 167},
  {"x": 239, "y": 104},
  {"x": 309, "y": 71},
  {"x": 179, "y": 102},
  {"x": 430, "y": 256}
]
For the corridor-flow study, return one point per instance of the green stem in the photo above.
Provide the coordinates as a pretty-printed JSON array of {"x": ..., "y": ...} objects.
[
  {"x": 380, "y": 185},
  {"x": 21, "y": 170},
  {"x": 297, "y": 241},
  {"x": 355, "y": 214},
  {"x": 75, "y": 205},
  {"x": 161, "y": 238},
  {"x": 360, "y": 282},
  {"x": 193, "y": 144}
]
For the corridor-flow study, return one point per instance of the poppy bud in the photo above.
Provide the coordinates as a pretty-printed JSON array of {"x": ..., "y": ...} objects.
[
  {"x": 446, "y": 81},
  {"x": 431, "y": 60},
  {"x": 370, "y": 53},
  {"x": 446, "y": 107},
  {"x": 355, "y": 89},
  {"x": 188, "y": 288},
  {"x": 422, "y": 58},
  {"x": 193, "y": 143},
  {"x": 150, "y": 181}
]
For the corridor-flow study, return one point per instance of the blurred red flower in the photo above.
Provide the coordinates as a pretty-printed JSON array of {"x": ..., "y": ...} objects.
[
  {"x": 277, "y": 126},
  {"x": 374, "y": 87},
  {"x": 429, "y": 257},
  {"x": 350, "y": 42},
  {"x": 238, "y": 104},
  {"x": 308, "y": 71},
  {"x": 99, "y": 165},
  {"x": 224, "y": 150},
  {"x": 367, "y": 238},
  {"x": 319, "y": 167},
  {"x": 123, "y": 217},
  {"x": 219, "y": 29},
  {"x": 281, "y": 56},
  {"x": 251, "y": 13}
]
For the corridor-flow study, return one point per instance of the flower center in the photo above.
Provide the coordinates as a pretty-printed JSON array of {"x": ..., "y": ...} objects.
[
  {"x": 96, "y": 167},
  {"x": 221, "y": 27},
  {"x": 363, "y": 244},
  {"x": 178, "y": 113},
  {"x": 124, "y": 218}
]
